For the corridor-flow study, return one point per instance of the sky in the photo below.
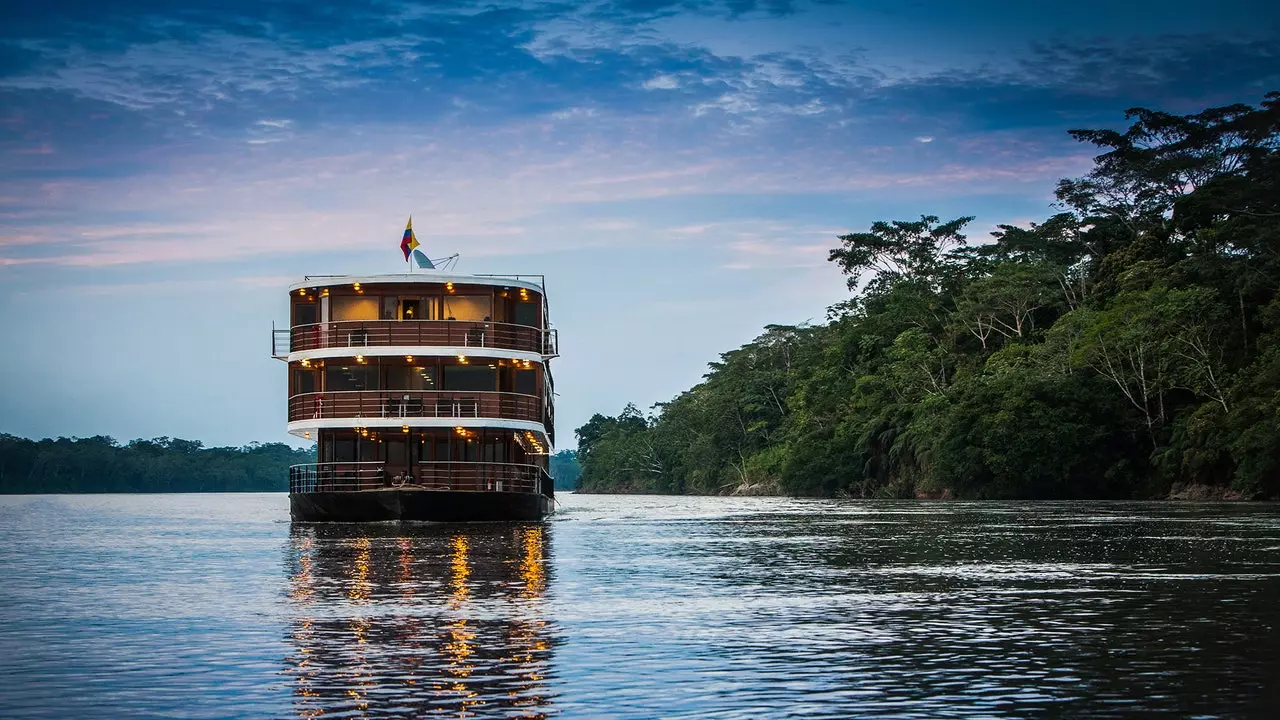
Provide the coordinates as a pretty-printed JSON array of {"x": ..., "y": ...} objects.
[{"x": 677, "y": 170}]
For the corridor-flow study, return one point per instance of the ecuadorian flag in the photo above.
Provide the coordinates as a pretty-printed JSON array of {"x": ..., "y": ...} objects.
[{"x": 410, "y": 242}]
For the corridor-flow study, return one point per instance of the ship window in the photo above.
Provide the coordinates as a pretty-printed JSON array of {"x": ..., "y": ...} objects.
[
  {"x": 526, "y": 313},
  {"x": 406, "y": 377},
  {"x": 468, "y": 450},
  {"x": 355, "y": 377},
  {"x": 304, "y": 381},
  {"x": 421, "y": 447},
  {"x": 304, "y": 313},
  {"x": 368, "y": 449},
  {"x": 411, "y": 309},
  {"x": 354, "y": 307},
  {"x": 495, "y": 448},
  {"x": 527, "y": 382},
  {"x": 469, "y": 378},
  {"x": 344, "y": 449},
  {"x": 468, "y": 307},
  {"x": 395, "y": 451},
  {"x": 389, "y": 307}
]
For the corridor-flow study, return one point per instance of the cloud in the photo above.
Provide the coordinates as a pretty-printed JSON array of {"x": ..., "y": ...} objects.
[
  {"x": 231, "y": 132},
  {"x": 661, "y": 82}
]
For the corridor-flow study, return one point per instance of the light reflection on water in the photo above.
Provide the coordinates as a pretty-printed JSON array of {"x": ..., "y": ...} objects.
[
  {"x": 212, "y": 606},
  {"x": 413, "y": 619}
]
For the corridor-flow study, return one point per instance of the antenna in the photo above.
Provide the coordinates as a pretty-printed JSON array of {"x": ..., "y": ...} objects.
[{"x": 445, "y": 263}]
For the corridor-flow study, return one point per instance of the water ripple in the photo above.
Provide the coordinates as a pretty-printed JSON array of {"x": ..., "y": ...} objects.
[{"x": 214, "y": 606}]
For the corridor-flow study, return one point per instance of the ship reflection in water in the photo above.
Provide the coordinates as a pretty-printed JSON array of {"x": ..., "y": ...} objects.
[{"x": 417, "y": 620}]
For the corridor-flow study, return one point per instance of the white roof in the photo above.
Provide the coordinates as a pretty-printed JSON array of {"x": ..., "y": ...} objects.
[{"x": 421, "y": 276}]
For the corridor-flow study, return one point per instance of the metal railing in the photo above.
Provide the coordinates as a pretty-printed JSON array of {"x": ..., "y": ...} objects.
[
  {"x": 279, "y": 343},
  {"x": 465, "y": 476},
  {"x": 409, "y": 404},
  {"x": 322, "y": 477},
  {"x": 410, "y": 333}
]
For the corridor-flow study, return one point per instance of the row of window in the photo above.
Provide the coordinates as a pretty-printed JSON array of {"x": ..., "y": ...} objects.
[
  {"x": 400, "y": 449},
  {"x": 453, "y": 377},
  {"x": 478, "y": 308}
]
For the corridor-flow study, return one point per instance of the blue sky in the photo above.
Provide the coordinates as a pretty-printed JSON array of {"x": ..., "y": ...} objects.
[{"x": 677, "y": 170}]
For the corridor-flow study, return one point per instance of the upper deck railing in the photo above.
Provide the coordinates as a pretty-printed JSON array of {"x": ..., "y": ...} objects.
[
  {"x": 411, "y": 404},
  {"x": 414, "y": 333},
  {"x": 425, "y": 475}
]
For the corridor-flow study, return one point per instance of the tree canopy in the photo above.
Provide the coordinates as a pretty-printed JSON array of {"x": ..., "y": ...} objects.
[
  {"x": 100, "y": 464},
  {"x": 1127, "y": 346}
]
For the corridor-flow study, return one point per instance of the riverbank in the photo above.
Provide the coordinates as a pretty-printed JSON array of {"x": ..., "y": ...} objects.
[{"x": 772, "y": 488}]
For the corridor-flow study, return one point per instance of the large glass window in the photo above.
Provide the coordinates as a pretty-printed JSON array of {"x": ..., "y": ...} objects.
[
  {"x": 526, "y": 313},
  {"x": 468, "y": 307},
  {"x": 353, "y": 307},
  {"x": 305, "y": 313},
  {"x": 495, "y": 447},
  {"x": 344, "y": 449},
  {"x": 527, "y": 382},
  {"x": 421, "y": 446},
  {"x": 470, "y": 378},
  {"x": 304, "y": 381},
  {"x": 418, "y": 308},
  {"x": 350, "y": 377},
  {"x": 395, "y": 451},
  {"x": 411, "y": 377},
  {"x": 389, "y": 306}
]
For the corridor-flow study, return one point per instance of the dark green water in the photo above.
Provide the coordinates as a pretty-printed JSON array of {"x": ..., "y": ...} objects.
[{"x": 216, "y": 606}]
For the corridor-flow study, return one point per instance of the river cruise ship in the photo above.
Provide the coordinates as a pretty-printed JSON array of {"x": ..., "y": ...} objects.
[{"x": 429, "y": 396}]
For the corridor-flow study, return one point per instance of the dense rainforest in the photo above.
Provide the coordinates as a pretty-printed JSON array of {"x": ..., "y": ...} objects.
[
  {"x": 100, "y": 464},
  {"x": 1128, "y": 346},
  {"x": 564, "y": 470}
]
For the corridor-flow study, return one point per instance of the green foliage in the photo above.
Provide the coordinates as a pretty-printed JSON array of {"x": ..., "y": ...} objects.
[
  {"x": 1124, "y": 347},
  {"x": 100, "y": 464},
  {"x": 565, "y": 470}
]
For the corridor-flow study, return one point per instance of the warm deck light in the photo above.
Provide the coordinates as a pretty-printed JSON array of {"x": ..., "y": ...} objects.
[
  {"x": 360, "y": 359},
  {"x": 302, "y": 291},
  {"x": 306, "y": 363},
  {"x": 408, "y": 358},
  {"x": 462, "y": 359},
  {"x": 306, "y": 435},
  {"x": 448, "y": 286},
  {"x": 404, "y": 428},
  {"x": 355, "y": 285}
]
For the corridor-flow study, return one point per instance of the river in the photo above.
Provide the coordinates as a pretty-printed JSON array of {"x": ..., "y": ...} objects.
[{"x": 215, "y": 606}]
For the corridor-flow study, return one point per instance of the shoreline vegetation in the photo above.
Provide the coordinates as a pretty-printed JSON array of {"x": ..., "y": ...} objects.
[
  {"x": 101, "y": 465},
  {"x": 1127, "y": 347}
]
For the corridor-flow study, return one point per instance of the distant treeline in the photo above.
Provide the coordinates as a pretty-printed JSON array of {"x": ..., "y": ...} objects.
[
  {"x": 1126, "y": 347},
  {"x": 565, "y": 470},
  {"x": 100, "y": 464}
]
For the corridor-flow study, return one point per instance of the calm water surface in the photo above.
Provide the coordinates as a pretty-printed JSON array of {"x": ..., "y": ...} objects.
[{"x": 213, "y": 606}]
